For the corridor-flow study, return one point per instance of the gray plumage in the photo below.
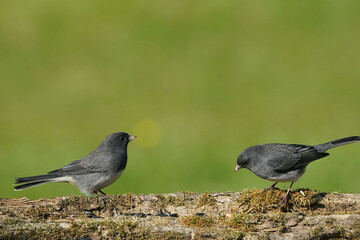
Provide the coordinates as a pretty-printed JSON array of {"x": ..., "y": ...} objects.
[
  {"x": 285, "y": 162},
  {"x": 90, "y": 174}
]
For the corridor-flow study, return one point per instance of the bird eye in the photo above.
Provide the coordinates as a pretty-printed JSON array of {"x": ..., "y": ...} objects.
[
  {"x": 121, "y": 137},
  {"x": 246, "y": 161}
]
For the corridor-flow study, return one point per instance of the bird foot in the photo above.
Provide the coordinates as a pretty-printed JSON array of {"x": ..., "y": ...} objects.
[
  {"x": 283, "y": 201},
  {"x": 104, "y": 198},
  {"x": 267, "y": 189}
]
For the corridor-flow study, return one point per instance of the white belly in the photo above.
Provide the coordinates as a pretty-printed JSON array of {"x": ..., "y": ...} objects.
[{"x": 109, "y": 181}]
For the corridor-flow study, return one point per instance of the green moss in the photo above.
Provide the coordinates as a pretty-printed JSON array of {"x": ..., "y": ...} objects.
[
  {"x": 316, "y": 232},
  {"x": 330, "y": 232},
  {"x": 356, "y": 229},
  {"x": 279, "y": 220},
  {"x": 206, "y": 199},
  {"x": 122, "y": 228},
  {"x": 329, "y": 220},
  {"x": 234, "y": 236},
  {"x": 11, "y": 221},
  {"x": 170, "y": 200},
  {"x": 33, "y": 230},
  {"x": 258, "y": 201},
  {"x": 111, "y": 228},
  {"x": 263, "y": 236},
  {"x": 197, "y": 221},
  {"x": 80, "y": 202},
  {"x": 126, "y": 201},
  {"x": 163, "y": 201},
  {"x": 184, "y": 198},
  {"x": 170, "y": 235},
  {"x": 299, "y": 201},
  {"x": 282, "y": 229},
  {"x": 339, "y": 230},
  {"x": 243, "y": 222}
]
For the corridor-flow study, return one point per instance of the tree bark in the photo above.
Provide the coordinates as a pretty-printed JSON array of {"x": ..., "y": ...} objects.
[{"x": 251, "y": 214}]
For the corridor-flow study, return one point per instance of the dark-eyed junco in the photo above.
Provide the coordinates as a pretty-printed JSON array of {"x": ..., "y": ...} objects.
[
  {"x": 280, "y": 162},
  {"x": 90, "y": 174}
]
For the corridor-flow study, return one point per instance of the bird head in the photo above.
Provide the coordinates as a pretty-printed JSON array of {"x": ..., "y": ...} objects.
[
  {"x": 118, "y": 139},
  {"x": 243, "y": 161}
]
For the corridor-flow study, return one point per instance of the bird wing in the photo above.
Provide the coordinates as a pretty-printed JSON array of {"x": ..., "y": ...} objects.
[
  {"x": 307, "y": 155},
  {"x": 96, "y": 161},
  {"x": 287, "y": 157},
  {"x": 76, "y": 167}
]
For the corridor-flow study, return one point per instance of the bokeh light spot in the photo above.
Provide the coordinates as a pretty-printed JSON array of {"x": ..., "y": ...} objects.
[{"x": 148, "y": 133}]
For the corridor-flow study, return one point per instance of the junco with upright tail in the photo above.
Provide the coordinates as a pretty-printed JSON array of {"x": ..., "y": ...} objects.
[{"x": 280, "y": 162}]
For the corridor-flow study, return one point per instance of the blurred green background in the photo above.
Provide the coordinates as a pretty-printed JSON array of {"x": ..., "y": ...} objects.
[{"x": 196, "y": 81}]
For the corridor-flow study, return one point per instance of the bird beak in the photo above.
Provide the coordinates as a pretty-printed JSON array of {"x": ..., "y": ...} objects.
[
  {"x": 237, "y": 167},
  {"x": 131, "y": 137}
]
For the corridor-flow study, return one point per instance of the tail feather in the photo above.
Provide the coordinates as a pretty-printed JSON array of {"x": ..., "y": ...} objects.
[
  {"x": 33, "y": 181},
  {"x": 35, "y": 178},
  {"x": 336, "y": 143},
  {"x": 28, "y": 185}
]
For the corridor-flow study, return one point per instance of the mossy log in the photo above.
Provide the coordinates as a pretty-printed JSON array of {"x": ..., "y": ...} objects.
[{"x": 251, "y": 214}]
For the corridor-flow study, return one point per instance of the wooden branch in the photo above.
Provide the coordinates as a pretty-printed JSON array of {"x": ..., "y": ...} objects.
[{"x": 184, "y": 215}]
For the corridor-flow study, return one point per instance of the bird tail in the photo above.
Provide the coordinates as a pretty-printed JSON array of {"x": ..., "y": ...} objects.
[
  {"x": 336, "y": 143},
  {"x": 27, "y": 182}
]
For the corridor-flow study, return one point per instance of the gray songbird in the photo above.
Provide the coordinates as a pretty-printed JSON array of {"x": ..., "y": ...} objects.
[
  {"x": 280, "y": 162},
  {"x": 90, "y": 174}
]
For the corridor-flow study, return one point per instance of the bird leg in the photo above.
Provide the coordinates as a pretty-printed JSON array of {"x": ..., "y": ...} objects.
[
  {"x": 270, "y": 188},
  {"x": 104, "y": 194},
  {"x": 104, "y": 198},
  {"x": 284, "y": 200}
]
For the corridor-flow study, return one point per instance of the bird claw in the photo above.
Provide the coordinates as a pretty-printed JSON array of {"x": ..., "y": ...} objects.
[{"x": 104, "y": 198}]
